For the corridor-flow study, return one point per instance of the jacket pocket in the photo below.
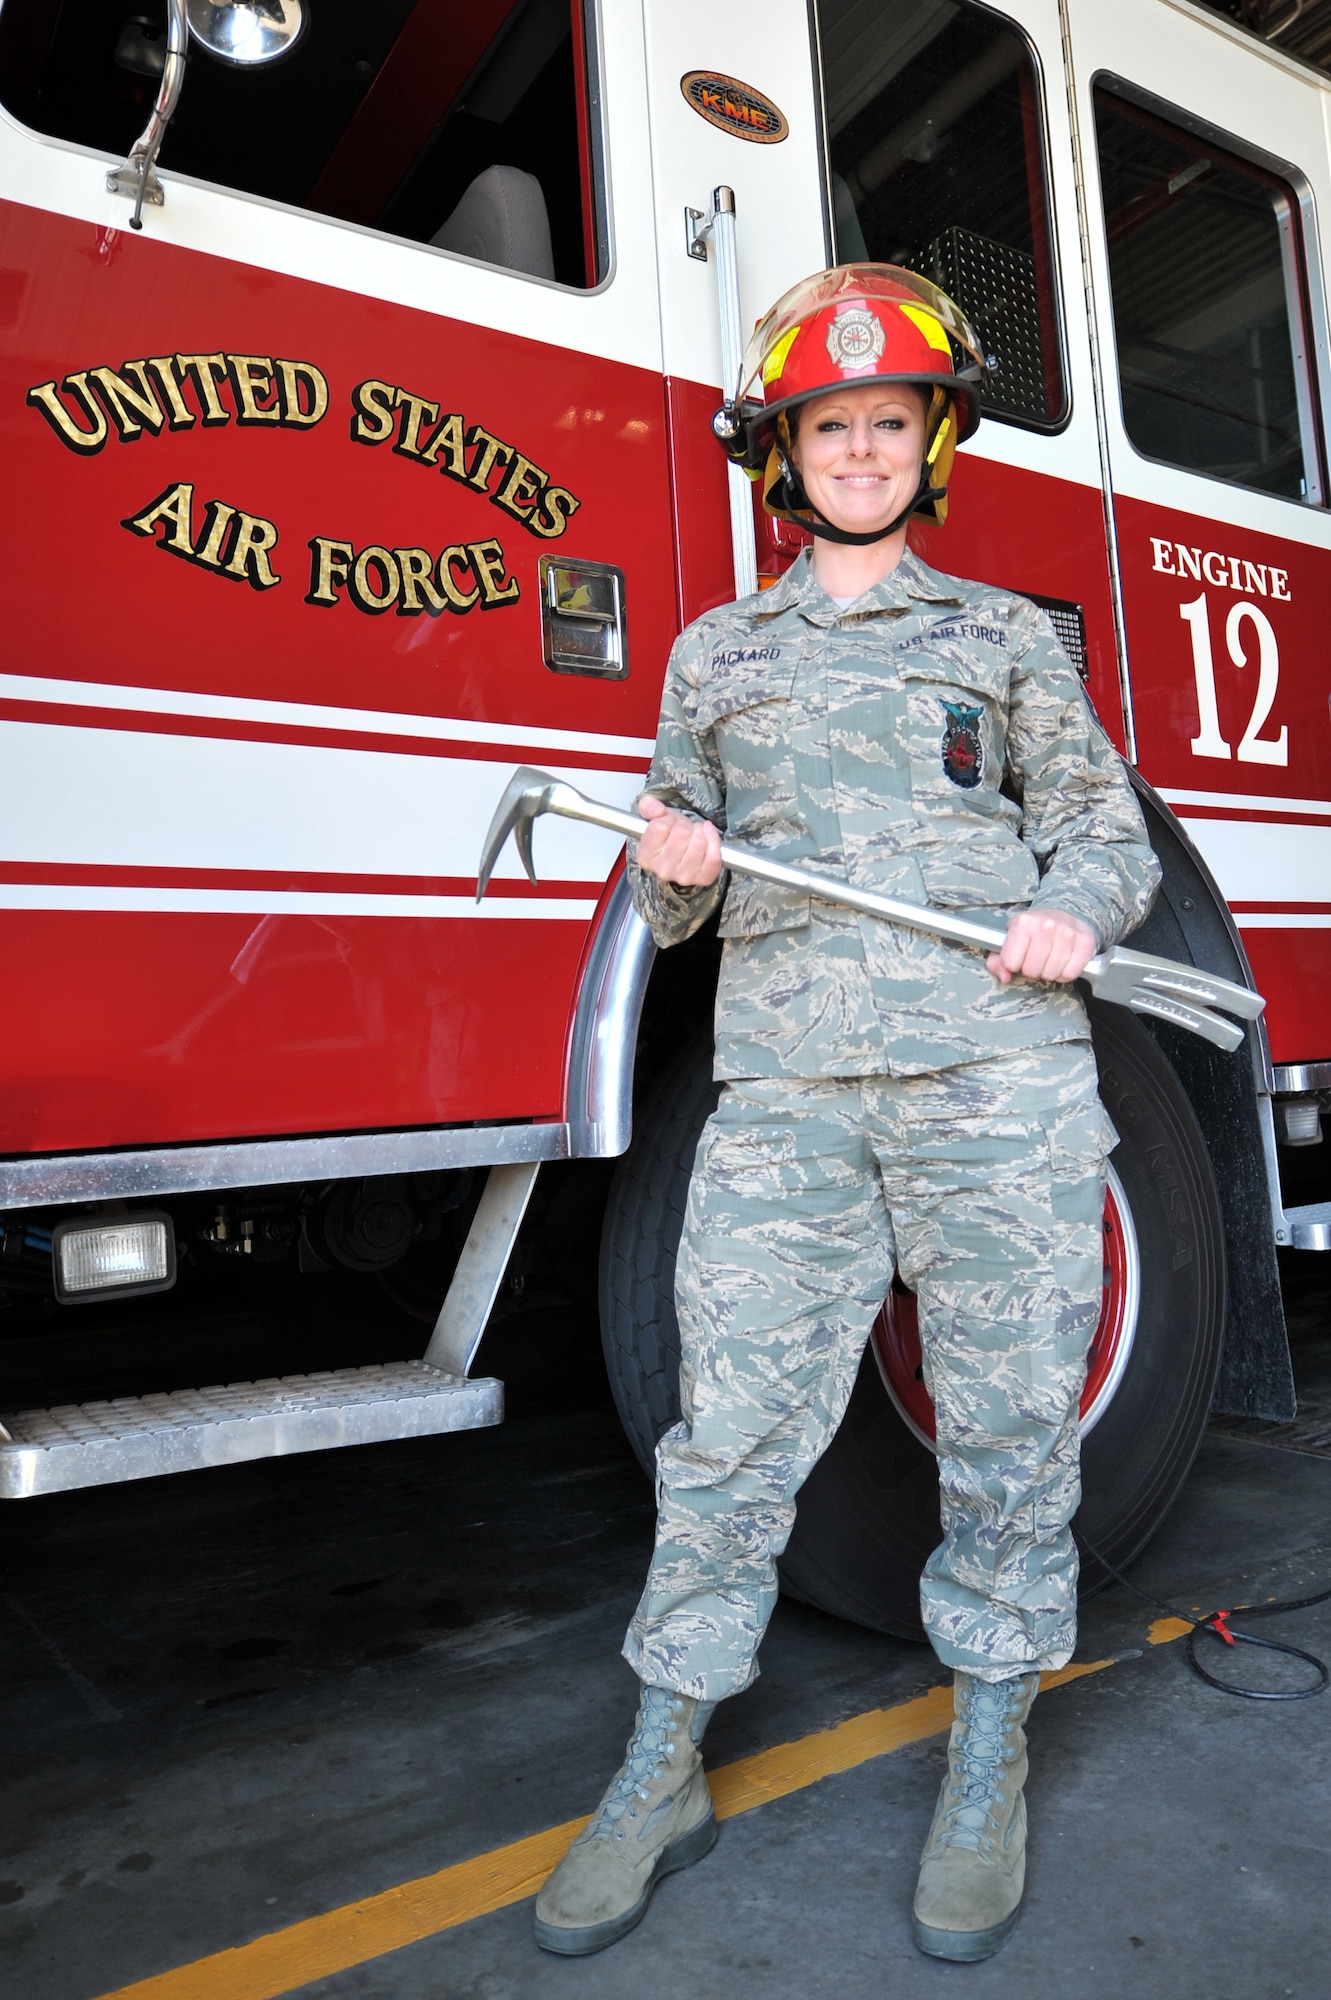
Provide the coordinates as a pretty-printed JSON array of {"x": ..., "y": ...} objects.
[
  {"x": 1080, "y": 1138},
  {"x": 955, "y": 729},
  {"x": 749, "y": 717},
  {"x": 748, "y": 710},
  {"x": 986, "y": 866},
  {"x": 727, "y": 694},
  {"x": 967, "y": 841},
  {"x": 756, "y": 909}
]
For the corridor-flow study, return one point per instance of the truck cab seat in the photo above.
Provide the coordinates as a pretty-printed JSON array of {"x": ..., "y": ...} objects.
[{"x": 501, "y": 219}]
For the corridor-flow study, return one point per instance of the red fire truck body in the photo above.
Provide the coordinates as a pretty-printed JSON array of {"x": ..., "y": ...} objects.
[{"x": 323, "y": 513}]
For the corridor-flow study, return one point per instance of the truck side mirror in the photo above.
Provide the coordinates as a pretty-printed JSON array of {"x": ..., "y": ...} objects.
[
  {"x": 243, "y": 33},
  {"x": 246, "y": 32}
]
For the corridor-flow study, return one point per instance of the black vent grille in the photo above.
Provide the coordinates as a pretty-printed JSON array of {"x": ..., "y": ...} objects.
[
  {"x": 1069, "y": 623},
  {"x": 995, "y": 287}
]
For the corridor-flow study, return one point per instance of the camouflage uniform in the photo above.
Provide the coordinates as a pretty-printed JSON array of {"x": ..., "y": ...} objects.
[{"x": 887, "y": 1099}]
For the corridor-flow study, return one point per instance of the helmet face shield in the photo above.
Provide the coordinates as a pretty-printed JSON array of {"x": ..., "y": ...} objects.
[
  {"x": 853, "y": 324},
  {"x": 872, "y": 297}
]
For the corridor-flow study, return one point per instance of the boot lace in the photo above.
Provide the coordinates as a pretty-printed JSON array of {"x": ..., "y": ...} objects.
[
  {"x": 976, "y": 1791},
  {"x": 651, "y": 1747}
]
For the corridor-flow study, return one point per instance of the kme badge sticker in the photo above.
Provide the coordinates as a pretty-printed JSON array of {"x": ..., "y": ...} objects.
[
  {"x": 962, "y": 747},
  {"x": 734, "y": 107}
]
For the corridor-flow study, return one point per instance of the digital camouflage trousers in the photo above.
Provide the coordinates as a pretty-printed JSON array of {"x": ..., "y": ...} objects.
[{"x": 984, "y": 1185}]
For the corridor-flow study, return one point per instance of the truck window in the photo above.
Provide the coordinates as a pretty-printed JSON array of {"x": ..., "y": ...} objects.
[
  {"x": 465, "y": 124},
  {"x": 937, "y": 161},
  {"x": 1206, "y": 271}
]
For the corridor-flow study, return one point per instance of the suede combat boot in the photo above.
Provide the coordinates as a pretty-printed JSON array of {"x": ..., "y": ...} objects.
[
  {"x": 973, "y": 1869},
  {"x": 656, "y": 1817}
]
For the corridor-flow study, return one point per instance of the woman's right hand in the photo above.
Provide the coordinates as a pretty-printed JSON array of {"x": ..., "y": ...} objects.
[{"x": 676, "y": 848}]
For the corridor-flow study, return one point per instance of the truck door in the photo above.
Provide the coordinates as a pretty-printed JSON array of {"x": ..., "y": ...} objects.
[
  {"x": 331, "y": 495},
  {"x": 1206, "y": 164}
]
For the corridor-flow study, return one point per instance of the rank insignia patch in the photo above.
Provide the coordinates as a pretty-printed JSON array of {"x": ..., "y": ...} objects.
[{"x": 962, "y": 747}]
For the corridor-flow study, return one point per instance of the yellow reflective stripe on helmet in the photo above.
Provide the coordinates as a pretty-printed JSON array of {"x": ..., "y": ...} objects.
[
  {"x": 937, "y": 444},
  {"x": 928, "y": 326},
  {"x": 776, "y": 360}
]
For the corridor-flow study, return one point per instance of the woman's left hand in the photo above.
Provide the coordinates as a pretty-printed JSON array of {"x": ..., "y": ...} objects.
[{"x": 1044, "y": 944}]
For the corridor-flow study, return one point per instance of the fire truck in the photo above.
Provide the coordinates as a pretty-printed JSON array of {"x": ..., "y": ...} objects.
[{"x": 357, "y": 369}]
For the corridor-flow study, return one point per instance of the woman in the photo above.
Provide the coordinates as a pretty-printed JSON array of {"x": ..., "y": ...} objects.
[{"x": 889, "y": 1100}]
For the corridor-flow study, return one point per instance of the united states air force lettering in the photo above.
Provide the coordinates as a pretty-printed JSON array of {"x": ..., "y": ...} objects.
[{"x": 162, "y": 396}]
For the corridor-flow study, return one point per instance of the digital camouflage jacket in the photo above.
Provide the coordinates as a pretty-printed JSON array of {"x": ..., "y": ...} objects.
[{"x": 930, "y": 741}]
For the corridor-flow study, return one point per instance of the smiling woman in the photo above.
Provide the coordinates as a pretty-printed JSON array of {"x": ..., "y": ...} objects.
[
  {"x": 858, "y": 453},
  {"x": 888, "y": 1104}
]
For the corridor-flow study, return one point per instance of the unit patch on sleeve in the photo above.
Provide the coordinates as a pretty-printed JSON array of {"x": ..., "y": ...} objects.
[{"x": 962, "y": 748}]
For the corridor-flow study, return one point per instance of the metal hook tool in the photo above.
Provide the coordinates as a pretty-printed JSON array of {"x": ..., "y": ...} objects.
[{"x": 1157, "y": 986}]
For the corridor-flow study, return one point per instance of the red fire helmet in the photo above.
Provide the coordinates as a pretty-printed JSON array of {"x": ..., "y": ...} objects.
[{"x": 854, "y": 323}]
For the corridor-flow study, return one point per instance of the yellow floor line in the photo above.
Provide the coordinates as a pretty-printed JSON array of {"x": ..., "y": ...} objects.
[{"x": 320, "y": 1946}]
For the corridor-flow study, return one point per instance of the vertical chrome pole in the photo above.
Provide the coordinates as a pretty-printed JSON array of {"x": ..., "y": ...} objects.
[
  {"x": 1098, "y": 388},
  {"x": 722, "y": 233}
]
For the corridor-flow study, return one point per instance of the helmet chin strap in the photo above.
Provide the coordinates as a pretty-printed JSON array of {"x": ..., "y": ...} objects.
[{"x": 820, "y": 526}]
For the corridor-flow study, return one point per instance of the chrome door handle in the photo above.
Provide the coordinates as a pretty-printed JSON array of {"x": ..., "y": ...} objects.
[{"x": 719, "y": 231}]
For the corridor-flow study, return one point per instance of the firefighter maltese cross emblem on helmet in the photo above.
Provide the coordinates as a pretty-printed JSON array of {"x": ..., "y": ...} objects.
[
  {"x": 963, "y": 746},
  {"x": 856, "y": 339}
]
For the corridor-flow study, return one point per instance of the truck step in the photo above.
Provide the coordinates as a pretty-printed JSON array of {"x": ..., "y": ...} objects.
[
  {"x": 141, "y": 1437},
  {"x": 1310, "y": 1227}
]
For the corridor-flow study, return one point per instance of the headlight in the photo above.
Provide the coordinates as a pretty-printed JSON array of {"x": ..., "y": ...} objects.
[{"x": 98, "y": 1260}]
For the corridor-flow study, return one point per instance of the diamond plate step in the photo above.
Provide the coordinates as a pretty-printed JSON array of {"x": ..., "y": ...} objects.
[{"x": 140, "y": 1437}]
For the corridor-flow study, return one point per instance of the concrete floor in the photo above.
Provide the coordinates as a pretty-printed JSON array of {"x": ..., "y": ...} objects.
[{"x": 241, "y": 1698}]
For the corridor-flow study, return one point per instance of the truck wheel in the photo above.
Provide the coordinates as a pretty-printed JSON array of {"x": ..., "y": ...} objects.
[
  {"x": 644, "y": 1216},
  {"x": 868, "y": 1515}
]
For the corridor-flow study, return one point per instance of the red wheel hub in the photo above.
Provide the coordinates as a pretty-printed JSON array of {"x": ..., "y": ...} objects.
[{"x": 896, "y": 1334}]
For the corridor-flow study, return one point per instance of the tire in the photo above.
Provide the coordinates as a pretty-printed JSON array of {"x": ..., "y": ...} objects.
[
  {"x": 639, "y": 1242},
  {"x": 868, "y": 1514}
]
